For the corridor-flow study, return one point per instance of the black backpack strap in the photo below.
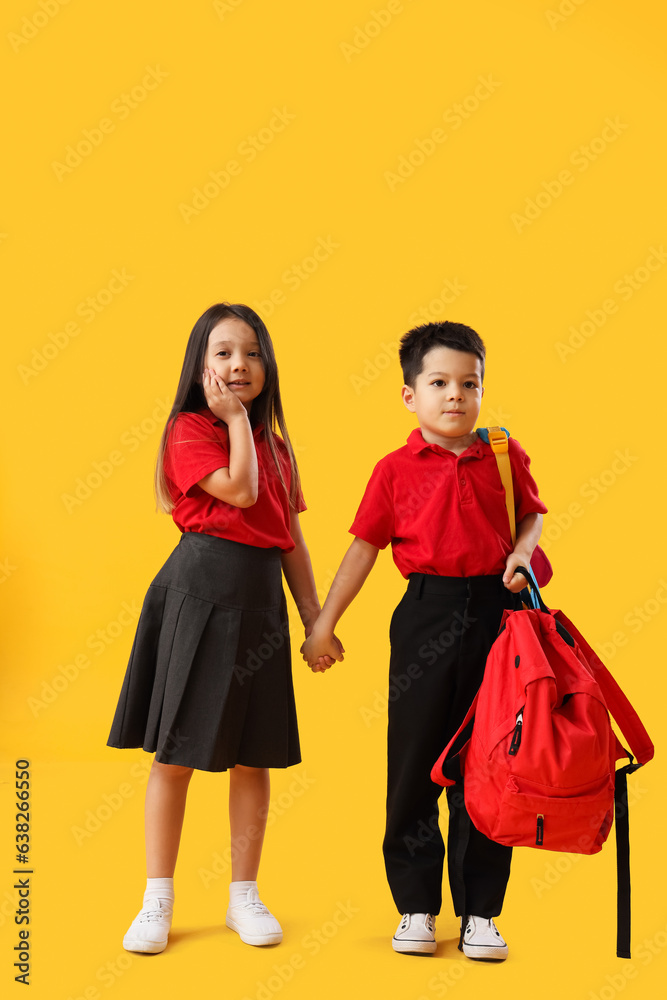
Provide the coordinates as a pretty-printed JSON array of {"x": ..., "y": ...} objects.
[{"x": 623, "y": 859}]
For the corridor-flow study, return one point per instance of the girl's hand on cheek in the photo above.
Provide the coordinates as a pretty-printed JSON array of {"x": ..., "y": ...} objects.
[{"x": 220, "y": 400}]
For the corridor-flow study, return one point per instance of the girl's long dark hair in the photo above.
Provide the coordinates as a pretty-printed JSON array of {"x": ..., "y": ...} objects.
[{"x": 267, "y": 408}]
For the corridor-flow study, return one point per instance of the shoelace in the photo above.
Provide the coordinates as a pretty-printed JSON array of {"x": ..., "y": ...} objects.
[
  {"x": 152, "y": 913},
  {"x": 256, "y": 906}
]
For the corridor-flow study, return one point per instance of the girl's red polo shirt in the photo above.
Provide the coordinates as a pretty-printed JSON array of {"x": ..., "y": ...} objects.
[
  {"x": 445, "y": 514},
  {"x": 198, "y": 445}
]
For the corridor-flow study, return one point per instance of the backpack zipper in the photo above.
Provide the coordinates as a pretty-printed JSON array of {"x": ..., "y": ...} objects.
[
  {"x": 516, "y": 737},
  {"x": 539, "y": 836}
]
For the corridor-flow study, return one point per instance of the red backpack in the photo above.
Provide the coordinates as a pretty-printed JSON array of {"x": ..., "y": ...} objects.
[{"x": 537, "y": 750}]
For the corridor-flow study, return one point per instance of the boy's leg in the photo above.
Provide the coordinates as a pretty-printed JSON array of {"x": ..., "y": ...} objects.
[
  {"x": 478, "y": 868},
  {"x": 440, "y": 633},
  {"x": 425, "y": 634}
]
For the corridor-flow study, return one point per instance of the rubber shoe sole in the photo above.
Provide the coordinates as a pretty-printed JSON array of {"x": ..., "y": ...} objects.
[
  {"x": 145, "y": 947},
  {"x": 413, "y": 947},
  {"x": 485, "y": 953},
  {"x": 256, "y": 939}
]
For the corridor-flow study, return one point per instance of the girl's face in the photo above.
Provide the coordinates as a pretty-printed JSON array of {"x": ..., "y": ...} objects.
[{"x": 233, "y": 353}]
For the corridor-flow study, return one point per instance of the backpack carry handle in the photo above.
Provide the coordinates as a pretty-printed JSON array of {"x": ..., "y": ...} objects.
[
  {"x": 535, "y": 598},
  {"x": 537, "y": 603}
]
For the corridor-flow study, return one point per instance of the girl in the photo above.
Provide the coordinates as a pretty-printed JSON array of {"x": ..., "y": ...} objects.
[{"x": 209, "y": 682}]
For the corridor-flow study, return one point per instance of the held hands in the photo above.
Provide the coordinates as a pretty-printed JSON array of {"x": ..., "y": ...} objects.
[
  {"x": 321, "y": 650},
  {"x": 220, "y": 400}
]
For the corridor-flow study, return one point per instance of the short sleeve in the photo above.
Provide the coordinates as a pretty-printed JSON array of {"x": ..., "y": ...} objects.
[
  {"x": 300, "y": 503},
  {"x": 195, "y": 448},
  {"x": 526, "y": 496},
  {"x": 374, "y": 521}
]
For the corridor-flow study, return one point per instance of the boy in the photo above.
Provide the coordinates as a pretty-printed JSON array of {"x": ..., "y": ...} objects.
[{"x": 439, "y": 501}]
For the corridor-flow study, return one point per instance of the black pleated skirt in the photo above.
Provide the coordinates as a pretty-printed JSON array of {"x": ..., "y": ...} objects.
[{"x": 209, "y": 680}]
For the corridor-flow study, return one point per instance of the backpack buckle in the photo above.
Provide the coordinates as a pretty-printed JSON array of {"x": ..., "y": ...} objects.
[{"x": 498, "y": 440}]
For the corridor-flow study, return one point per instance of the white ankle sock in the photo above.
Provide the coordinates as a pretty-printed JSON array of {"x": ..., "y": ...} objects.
[
  {"x": 162, "y": 889},
  {"x": 238, "y": 891}
]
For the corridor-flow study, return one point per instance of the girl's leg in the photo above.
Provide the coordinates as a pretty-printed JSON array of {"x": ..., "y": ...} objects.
[
  {"x": 249, "y": 789},
  {"x": 165, "y": 806},
  {"x": 248, "y": 808}
]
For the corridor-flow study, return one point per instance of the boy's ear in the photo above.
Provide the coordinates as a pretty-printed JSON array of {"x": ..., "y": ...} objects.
[{"x": 408, "y": 396}]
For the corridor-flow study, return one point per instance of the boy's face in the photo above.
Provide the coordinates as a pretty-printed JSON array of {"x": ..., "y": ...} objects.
[{"x": 446, "y": 396}]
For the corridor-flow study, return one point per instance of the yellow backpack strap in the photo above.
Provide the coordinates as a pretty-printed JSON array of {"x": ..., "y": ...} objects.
[{"x": 500, "y": 443}]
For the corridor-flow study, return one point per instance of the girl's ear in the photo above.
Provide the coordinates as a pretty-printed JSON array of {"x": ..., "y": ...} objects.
[{"x": 408, "y": 396}]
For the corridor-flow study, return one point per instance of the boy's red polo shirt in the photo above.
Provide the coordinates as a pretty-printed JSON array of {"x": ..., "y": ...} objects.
[
  {"x": 198, "y": 445},
  {"x": 445, "y": 514}
]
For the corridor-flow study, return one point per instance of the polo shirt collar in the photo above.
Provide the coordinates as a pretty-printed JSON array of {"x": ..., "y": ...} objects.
[
  {"x": 205, "y": 412},
  {"x": 417, "y": 444}
]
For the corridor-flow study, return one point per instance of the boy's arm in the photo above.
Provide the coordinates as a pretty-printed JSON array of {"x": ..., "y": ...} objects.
[
  {"x": 528, "y": 533},
  {"x": 357, "y": 563}
]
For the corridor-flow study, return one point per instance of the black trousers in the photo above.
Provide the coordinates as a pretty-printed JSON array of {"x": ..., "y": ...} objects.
[{"x": 441, "y": 633}]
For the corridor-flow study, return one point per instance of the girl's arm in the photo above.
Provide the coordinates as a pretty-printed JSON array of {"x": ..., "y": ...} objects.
[
  {"x": 357, "y": 563},
  {"x": 301, "y": 582},
  {"x": 299, "y": 575},
  {"x": 528, "y": 533},
  {"x": 236, "y": 484}
]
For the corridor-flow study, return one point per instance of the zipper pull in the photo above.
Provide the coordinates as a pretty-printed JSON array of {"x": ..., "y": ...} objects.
[
  {"x": 516, "y": 738},
  {"x": 539, "y": 836}
]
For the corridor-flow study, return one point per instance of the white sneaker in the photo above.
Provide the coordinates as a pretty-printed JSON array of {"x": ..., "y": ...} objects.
[
  {"x": 482, "y": 939},
  {"x": 415, "y": 934},
  {"x": 253, "y": 922},
  {"x": 149, "y": 930}
]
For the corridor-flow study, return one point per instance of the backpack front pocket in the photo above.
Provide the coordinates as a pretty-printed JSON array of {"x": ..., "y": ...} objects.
[{"x": 576, "y": 820}]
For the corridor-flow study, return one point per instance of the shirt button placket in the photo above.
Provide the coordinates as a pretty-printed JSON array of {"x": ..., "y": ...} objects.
[{"x": 464, "y": 488}]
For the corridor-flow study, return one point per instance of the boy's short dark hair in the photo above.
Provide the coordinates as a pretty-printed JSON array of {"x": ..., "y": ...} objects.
[{"x": 416, "y": 343}]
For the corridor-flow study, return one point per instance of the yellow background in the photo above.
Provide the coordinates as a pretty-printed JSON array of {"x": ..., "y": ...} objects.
[{"x": 357, "y": 91}]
